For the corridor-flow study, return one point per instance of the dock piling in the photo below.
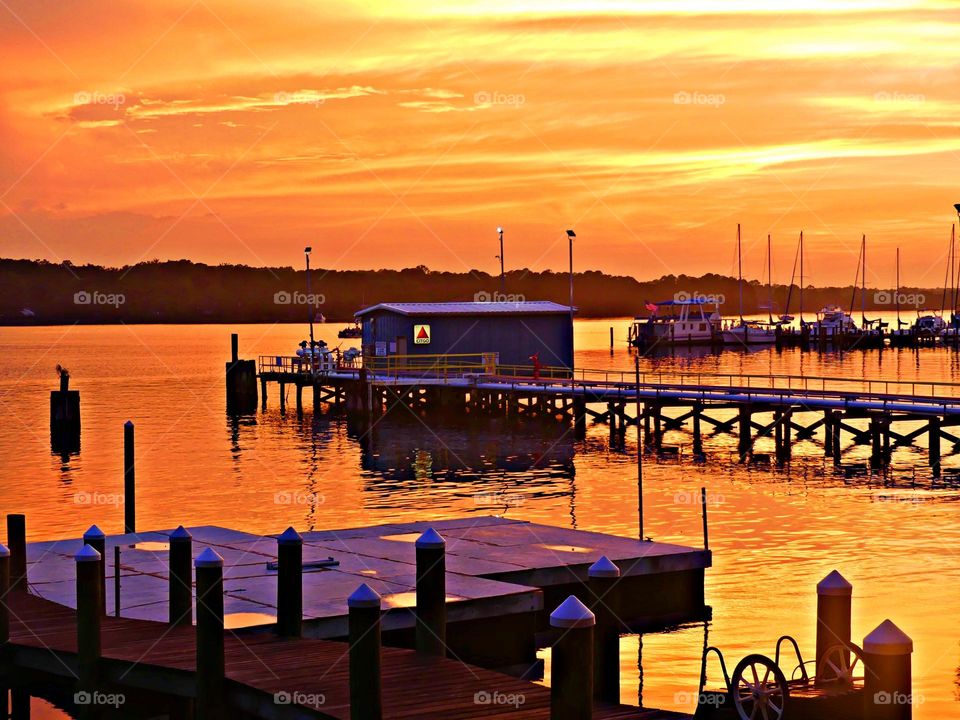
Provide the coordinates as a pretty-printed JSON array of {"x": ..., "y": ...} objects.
[
  {"x": 290, "y": 583},
  {"x": 116, "y": 581},
  {"x": 834, "y": 612},
  {"x": 180, "y": 577},
  {"x": 129, "y": 481},
  {"x": 89, "y": 616},
  {"x": 703, "y": 513},
  {"x": 571, "y": 672},
  {"x": 4, "y": 587},
  {"x": 95, "y": 538},
  {"x": 603, "y": 577},
  {"x": 366, "y": 692},
  {"x": 211, "y": 667},
  {"x": 887, "y": 674},
  {"x": 241, "y": 378},
  {"x": 17, "y": 544},
  {"x": 431, "y": 611}
]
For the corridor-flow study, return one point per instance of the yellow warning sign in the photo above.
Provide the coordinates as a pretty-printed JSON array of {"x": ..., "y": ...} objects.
[{"x": 421, "y": 334}]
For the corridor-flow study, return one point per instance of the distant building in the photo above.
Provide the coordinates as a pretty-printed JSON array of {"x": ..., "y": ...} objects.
[{"x": 513, "y": 330}]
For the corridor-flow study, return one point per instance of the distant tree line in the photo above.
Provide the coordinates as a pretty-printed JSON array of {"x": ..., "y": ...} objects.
[{"x": 181, "y": 291}]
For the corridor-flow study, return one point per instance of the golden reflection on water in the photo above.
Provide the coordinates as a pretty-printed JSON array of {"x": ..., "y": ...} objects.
[{"x": 774, "y": 531}]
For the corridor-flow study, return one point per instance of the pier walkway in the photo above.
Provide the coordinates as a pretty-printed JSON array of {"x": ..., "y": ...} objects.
[{"x": 270, "y": 676}]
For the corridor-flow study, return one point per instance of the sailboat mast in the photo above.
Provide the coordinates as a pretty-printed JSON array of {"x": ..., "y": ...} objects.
[
  {"x": 801, "y": 277},
  {"x": 739, "y": 273},
  {"x": 863, "y": 280},
  {"x": 896, "y": 296},
  {"x": 769, "y": 283}
]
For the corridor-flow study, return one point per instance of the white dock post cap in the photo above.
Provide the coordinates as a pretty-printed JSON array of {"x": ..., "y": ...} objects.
[
  {"x": 603, "y": 568},
  {"x": 888, "y": 639},
  {"x": 364, "y": 597},
  {"x": 181, "y": 533},
  {"x": 431, "y": 540},
  {"x": 94, "y": 533},
  {"x": 835, "y": 584},
  {"x": 87, "y": 554},
  {"x": 289, "y": 537},
  {"x": 572, "y": 614},
  {"x": 4, "y": 551},
  {"x": 208, "y": 558}
]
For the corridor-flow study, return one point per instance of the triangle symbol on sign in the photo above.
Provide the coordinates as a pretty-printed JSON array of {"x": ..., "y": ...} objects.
[{"x": 422, "y": 334}]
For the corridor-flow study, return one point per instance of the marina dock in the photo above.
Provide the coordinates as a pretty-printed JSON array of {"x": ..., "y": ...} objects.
[{"x": 503, "y": 577}]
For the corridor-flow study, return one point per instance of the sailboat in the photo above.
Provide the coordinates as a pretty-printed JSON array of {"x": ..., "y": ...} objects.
[{"x": 748, "y": 332}]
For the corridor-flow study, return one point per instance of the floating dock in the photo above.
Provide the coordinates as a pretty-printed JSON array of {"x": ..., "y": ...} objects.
[{"x": 503, "y": 577}]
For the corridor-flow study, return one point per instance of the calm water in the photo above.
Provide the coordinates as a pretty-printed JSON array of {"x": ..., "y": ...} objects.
[{"x": 774, "y": 533}]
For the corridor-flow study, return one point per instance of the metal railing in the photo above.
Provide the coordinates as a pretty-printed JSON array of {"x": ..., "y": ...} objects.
[{"x": 453, "y": 366}]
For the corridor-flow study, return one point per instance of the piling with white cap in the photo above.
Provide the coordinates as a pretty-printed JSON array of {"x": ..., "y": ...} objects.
[
  {"x": 887, "y": 674},
  {"x": 834, "y": 610},
  {"x": 431, "y": 610},
  {"x": 180, "y": 578},
  {"x": 571, "y": 670},
  {"x": 290, "y": 583},
  {"x": 17, "y": 543},
  {"x": 89, "y": 615},
  {"x": 95, "y": 538},
  {"x": 4, "y": 585},
  {"x": 366, "y": 694},
  {"x": 604, "y": 576},
  {"x": 210, "y": 651}
]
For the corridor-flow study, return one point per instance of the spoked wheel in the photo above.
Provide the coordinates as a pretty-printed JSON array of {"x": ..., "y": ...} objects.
[
  {"x": 841, "y": 665},
  {"x": 759, "y": 689}
]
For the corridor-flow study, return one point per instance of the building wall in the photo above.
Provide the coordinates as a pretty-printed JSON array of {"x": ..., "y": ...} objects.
[{"x": 515, "y": 337}]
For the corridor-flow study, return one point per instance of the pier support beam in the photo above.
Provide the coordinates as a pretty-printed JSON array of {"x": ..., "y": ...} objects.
[
  {"x": 933, "y": 434},
  {"x": 603, "y": 578},
  {"x": 211, "y": 667},
  {"x": 366, "y": 693},
  {"x": 834, "y": 612},
  {"x": 17, "y": 543},
  {"x": 89, "y": 620},
  {"x": 431, "y": 611},
  {"x": 290, "y": 583},
  {"x": 179, "y": 578},
  {"x": 95, "y": 538},
  {"x": 887, "y": 674},
  {"x": 571, "y": 682},
  {"x": 827, "y": 433},
  {"x": 743, "y": 434}
]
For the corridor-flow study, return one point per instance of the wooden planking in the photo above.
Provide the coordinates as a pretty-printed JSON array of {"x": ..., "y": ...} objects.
[{"x": 414, "y": 686}]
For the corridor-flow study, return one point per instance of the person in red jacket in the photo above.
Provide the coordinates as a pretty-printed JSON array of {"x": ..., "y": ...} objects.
[{"x": 535, "y": 359}]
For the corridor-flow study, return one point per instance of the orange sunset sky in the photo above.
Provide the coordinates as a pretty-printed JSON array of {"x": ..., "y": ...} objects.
[{"x": 398, "y": 133}]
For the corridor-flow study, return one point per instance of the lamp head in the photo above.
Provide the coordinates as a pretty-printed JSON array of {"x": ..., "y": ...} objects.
[
  {"x": 308, "y": 249},
  {"x": 571, "y": 234}
]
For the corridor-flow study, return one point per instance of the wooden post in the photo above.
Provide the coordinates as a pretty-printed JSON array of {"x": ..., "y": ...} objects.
[
  {"x": 4, "y": 608},
  {"x": 743, "y": 434},
  {"x": 887, "y": 674},
  {"x": 129, "y": 481},
  {"x": 290, "y": 583},
  {"x": 787, "y": 433},
  {"x": 934, "y": 443},
  {"x": 89, "y": 617},
  {"x": 95, "y": 538},
  {"x": 834, "y": 612},
  {"x": 697, "y": 434},
  {"x": 571, "y": 681},
  {"x": 116, "y": 581},
  {"x": 828, "y": 433},
  {"x": 837, "y": 436},
  {"x": 210, "y": 651},
  {"x": 703, "y": 512},
  {"x": 366, "y": 694},
  {"x": 299, "y": 398},
  {"x": 639, "y": 411},
  {"x": 17, "y": 543},
  {"x": 875, "y": 442},
  {"x": 180, "y": 578},
  {"x": 431, "y": 611},
  {"x": 603, "y": 578},
  {"x": 263, "y": 393}
]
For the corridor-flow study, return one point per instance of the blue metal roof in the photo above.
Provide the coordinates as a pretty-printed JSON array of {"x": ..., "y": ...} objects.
[{"x": 532, "y": 307}]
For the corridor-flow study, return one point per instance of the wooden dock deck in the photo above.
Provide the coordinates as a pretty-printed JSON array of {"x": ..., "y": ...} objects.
[{"x": 270, "y": 676}]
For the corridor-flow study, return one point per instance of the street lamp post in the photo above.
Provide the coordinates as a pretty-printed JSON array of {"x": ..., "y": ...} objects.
[
  {"x": 306, "y": 251},
  {"x": 503, "y": 281}
]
